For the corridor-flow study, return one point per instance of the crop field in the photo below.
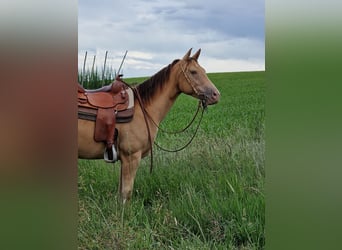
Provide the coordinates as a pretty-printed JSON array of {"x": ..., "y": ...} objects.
[{"x": 208, "y": 196}]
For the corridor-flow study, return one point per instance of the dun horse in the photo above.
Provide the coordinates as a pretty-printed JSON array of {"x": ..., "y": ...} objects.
[{"x": 157, "y": 95}]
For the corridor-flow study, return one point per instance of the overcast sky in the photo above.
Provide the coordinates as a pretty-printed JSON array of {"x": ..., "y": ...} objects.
[{"x": 155, "y": 32}]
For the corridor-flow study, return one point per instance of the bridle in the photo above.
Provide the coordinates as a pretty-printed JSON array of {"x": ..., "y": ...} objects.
[
  {"x": 183, "y": 130},
  {"x": 202, "y": 97},
  {"x": 202, "y": 104}
]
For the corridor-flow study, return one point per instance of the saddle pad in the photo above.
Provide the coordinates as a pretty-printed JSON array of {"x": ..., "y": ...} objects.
[
  {"x": 90, "y": 114},
  {"x": 130, "y": 98}
]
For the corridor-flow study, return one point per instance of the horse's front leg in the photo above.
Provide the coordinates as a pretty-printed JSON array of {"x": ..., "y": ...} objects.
[{"x": 129, "y": 167}]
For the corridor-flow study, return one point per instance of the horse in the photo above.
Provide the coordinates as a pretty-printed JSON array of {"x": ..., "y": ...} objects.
[{"x": 154, "y": 97}]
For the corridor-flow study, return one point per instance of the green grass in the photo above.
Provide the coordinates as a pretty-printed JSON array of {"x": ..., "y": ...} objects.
[{"x": 208, "y": 196}]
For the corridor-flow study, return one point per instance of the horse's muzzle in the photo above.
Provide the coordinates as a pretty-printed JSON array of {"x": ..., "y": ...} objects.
[{"x": 212, "y": 97}]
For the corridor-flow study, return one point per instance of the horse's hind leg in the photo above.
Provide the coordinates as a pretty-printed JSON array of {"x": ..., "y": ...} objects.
[{"x": 129, "y": 167}]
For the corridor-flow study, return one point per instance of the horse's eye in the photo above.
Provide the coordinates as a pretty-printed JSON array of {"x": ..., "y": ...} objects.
[{"x": 193, "y": 72}]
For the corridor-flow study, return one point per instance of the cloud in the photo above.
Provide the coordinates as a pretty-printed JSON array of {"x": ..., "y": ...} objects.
[
  {"x": 155, "y": 32},
  {"x": 231, "y": 65}
]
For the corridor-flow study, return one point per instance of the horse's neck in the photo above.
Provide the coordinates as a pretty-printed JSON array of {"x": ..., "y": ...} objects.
[{"x": 162, "y": 102}]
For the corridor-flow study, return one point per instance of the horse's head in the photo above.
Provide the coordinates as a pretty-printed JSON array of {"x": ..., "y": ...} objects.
[{"x": 192, "y": 80}]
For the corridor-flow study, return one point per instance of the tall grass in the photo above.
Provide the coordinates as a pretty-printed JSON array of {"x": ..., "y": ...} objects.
[
  {"x": 92, "y": 78},
  {"x": 208, "y": 196}
]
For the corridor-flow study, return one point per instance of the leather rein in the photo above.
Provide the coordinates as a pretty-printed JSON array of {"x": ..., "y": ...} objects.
[{"x": 202, "y": 104}]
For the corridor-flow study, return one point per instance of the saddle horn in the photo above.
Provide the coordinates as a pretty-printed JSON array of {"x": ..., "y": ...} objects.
[{"x": 187, "y": 55}]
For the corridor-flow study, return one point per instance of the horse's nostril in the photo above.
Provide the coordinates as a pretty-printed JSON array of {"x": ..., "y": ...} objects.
[{"x": 216, "y": 94}]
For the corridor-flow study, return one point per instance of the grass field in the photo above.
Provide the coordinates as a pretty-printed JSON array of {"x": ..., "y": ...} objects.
[{"x": 208, "y": 196}]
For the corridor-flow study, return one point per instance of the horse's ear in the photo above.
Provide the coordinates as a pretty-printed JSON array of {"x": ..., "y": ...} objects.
[
  {"x": 187, "y": 55},
  {"x": 196, "y": 54}
]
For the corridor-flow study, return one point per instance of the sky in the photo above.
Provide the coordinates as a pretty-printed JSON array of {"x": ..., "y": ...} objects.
[{"x": 155, "y": 32}]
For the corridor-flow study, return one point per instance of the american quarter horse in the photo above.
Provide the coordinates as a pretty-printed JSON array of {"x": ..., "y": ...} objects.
[{"x": 157, "y": 95}]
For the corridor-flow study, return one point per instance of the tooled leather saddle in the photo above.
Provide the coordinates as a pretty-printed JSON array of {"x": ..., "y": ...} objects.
[{"x": 106, "y": 106}]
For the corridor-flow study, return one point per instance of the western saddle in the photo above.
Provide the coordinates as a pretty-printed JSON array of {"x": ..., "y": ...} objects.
[{"x": 106, "y": 106}]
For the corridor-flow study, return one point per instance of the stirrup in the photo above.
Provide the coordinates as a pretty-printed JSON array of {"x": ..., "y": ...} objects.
[{"x": 106, "y": 157}]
